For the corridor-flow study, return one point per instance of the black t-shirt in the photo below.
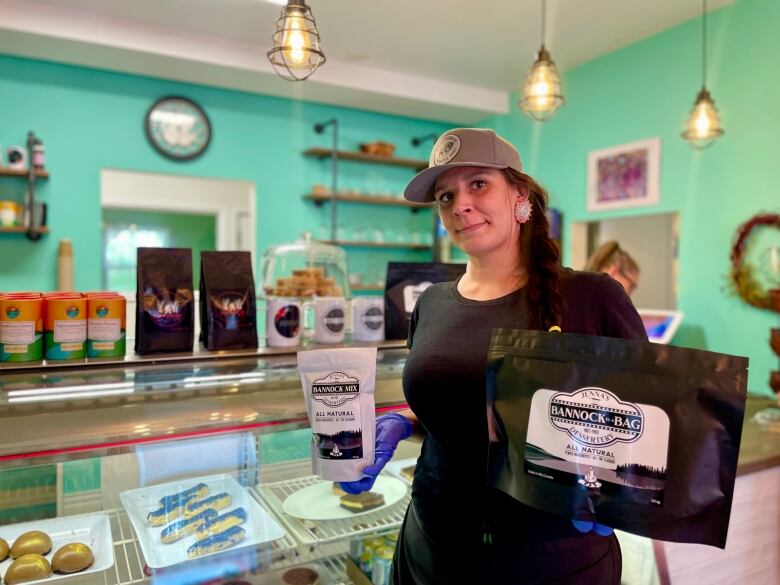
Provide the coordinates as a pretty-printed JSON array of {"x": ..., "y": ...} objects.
[{"x": 444, "y": 383}]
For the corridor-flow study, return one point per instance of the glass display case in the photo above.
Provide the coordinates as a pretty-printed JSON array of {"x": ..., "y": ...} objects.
[{"x": 109, "y": 455}]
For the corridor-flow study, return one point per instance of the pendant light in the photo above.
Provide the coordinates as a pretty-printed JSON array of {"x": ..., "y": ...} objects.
[
  {"x": 703, "y": 127},
  {"x": 296, "y": 53},
  {"x": 542, "y": 94}
]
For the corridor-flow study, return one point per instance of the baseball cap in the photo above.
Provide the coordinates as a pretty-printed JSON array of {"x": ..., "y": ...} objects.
[{"x": 462, "y": 147}]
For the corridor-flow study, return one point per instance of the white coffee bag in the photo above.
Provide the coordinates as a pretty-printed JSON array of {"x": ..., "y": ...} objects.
[{"x": 338, "y": 386}]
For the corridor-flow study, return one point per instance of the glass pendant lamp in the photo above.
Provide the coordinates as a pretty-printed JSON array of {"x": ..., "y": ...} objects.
[
  {"x": 542, "y": 93},
  {"x": 296, "y": 53},
  {"x": 703, "y": 127}
]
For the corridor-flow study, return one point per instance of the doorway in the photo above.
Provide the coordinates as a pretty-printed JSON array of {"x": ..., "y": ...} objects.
[{"x": 651, "y": 240}]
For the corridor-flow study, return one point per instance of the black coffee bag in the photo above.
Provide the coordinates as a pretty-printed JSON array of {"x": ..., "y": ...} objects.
[
  {"x": 405, "y": 282},
  {"x": 228, "y": 317},
  {"x": 164, "y": 311},
  {"x": 634, "y": 435}
]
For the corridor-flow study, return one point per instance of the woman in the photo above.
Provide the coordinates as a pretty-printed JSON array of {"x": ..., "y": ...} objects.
[
  {"x": 612, "y": 259},
  {"x": 458, "y": 529}
]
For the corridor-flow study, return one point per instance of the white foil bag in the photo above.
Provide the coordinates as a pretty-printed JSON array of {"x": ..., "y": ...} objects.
[{"x": 338, "y": 385}]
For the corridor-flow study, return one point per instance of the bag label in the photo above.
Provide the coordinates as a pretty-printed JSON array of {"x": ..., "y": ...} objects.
[
  {"x": 104, "y": 329},
  {"x": 70, "y": 331},
  {"x": 336, "y": 422},
  {"x": 21, "y": 332},
  {"x": 412, "y": 292},
  {"x": 593, "y": 439}
]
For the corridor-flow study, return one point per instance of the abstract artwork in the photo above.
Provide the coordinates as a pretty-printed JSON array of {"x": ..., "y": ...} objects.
[{"x": 624, "y": 176}]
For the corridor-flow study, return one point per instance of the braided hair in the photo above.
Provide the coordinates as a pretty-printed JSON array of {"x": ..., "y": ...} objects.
[{"x": 541, "y": 257}]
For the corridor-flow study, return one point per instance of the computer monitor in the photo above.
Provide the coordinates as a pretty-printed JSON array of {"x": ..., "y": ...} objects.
[{"x": 660, "y": 324}]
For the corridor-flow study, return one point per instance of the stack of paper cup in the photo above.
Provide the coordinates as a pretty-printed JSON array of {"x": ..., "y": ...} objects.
[{"x": 65, "y": 266}]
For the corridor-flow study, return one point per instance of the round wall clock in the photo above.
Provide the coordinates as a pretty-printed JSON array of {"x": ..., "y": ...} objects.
[{"x": 178, "y": 128}]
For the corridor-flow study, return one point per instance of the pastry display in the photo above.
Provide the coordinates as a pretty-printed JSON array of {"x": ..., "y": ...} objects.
[
  {"x": 305, "y": 282},
  {"x": 301, "y": 576},
  {"x": 165, "y": 514},
  {"x": 337, "y": 490},
  {"x": 217, "y": 542},
  {"x": 223, "y": 522},
  {"x": 362, "y": 502},
  {"x": 217, "y": 502},
  {"x": 5, "y": 550},
  {"x": 28, "y": 567},
  {"x": 182, "y": 528},
  {"x": 408, "y": 472},
  {"x": 33, "y": 542},
  {"x": 199, "y": 491},
  {"x": 72, "y": 558}
]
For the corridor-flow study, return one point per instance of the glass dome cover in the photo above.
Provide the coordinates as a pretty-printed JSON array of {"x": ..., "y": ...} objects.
[{"x": 304, "y": 268}]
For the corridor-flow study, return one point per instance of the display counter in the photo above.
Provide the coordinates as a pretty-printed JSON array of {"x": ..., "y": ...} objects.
[
  {"x": 95, "y": 448},
  {"x": 93, "y": 451}
]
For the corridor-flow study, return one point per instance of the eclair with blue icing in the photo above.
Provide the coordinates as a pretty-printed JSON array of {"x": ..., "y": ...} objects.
[
  {"x": 198, "y": 491},
  {"x": 223, "y": 522},
  {"x": 217, "y": 542},
  {"x": 182, "y": 528},
  {"x": 168, "y": 513},
  {"x": 217, "y": 502}
]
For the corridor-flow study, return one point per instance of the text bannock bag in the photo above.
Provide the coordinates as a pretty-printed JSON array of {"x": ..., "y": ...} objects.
[
  {"x": 634, "y": 435},
  {"x": 338, "y": 385}
]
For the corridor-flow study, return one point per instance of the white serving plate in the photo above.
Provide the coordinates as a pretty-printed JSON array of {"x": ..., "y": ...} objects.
[
  {"x": 318, "y": 502},
  {"x": 395, "y": 467},
  {"x": 260, "y": 527},
  {"x": 94, "y": 530}
]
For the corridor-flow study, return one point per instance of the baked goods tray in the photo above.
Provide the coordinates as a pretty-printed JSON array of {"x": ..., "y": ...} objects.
[
  {"x": 94, "y": 530},
  {"x": 312, "y": 532},
  {"x": 260, "y": 527}
]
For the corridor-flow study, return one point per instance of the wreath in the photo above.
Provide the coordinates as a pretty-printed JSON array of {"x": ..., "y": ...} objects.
[{"x": 742, "y": 279}]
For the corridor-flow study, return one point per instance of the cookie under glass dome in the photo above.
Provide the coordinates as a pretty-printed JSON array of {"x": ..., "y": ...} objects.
[{"x": 304, "y": 268}]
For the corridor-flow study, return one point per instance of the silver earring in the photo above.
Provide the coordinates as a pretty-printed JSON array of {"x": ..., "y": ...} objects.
[{"x": 523, "y": 211}]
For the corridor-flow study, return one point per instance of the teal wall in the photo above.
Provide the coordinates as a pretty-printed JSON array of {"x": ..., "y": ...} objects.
[
  {"x": 646, "y": 90},
  {"x": 197, "y": 232},
  {"x": 91, "y": 120}
]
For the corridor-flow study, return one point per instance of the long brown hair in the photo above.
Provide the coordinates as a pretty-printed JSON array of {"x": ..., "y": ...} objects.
[
  {"x": 541, "y": 257},
  {"x": 611, "y": 254}
]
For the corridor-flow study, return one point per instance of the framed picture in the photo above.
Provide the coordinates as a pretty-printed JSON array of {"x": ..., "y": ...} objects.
[{"x": 624, "y": 176}]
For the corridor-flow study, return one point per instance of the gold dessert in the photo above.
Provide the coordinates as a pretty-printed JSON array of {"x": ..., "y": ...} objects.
[{"x": 362, "y": 502}]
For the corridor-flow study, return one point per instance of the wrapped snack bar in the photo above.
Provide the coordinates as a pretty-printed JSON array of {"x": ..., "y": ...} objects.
[{"x": 637, "y": 436}]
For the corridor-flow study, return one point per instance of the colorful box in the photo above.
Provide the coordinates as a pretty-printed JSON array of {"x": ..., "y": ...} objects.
[
  {"x": 65, "y": 326},
  {"x": 21, "y": 327},
  {"x": 106, "y": 319}
]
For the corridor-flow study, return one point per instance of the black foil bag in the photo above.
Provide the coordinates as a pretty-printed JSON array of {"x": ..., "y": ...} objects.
[
  {"x": 630, "y": 434},
  {"x": 228, "y": 313},
  {"x": 164, "y": 301},
  {"x": 405, "y": 282}
]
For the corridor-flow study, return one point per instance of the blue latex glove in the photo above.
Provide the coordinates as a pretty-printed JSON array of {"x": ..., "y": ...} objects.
[
  {"x": 391, "y": 429},
  {"x": 585, "y": 526}
]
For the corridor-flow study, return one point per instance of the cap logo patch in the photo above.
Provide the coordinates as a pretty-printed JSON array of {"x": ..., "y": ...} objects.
[{"x": 445, "y": 150}]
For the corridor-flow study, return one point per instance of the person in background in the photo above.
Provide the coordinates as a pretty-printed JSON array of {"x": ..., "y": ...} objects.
[
  {"x": 615, "y": 261},
  {"x": 457, "y": 528}
]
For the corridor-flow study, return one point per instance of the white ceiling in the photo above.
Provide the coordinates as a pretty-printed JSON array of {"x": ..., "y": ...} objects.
[{"x": 453, "y": 60}]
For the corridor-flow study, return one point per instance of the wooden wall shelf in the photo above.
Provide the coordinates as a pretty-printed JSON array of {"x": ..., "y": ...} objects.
[
  {"x": 39, "y": 173},
  {"x": 367, "y": 158},
  {"x": 389, "y": 245},
  {"x": 370, "y": 199},
  {"x": 23, "y": 230}
]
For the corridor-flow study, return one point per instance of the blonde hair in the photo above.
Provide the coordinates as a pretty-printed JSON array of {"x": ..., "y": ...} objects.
[{"x": 611, "y": 254}]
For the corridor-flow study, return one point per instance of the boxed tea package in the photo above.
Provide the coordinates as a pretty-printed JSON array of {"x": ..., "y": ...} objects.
[
  {"x": 21, "y": 327},
  {"x": 65, "y": 326},
  {"x": 405, "y": 282},
  {"x": 164, "y": 312},
  {"x": 228, "y": 317},
  {"x": 106, "y": 322},
  {"x": 634, "y": 435},
  {"x": 338, "y": 386}
]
